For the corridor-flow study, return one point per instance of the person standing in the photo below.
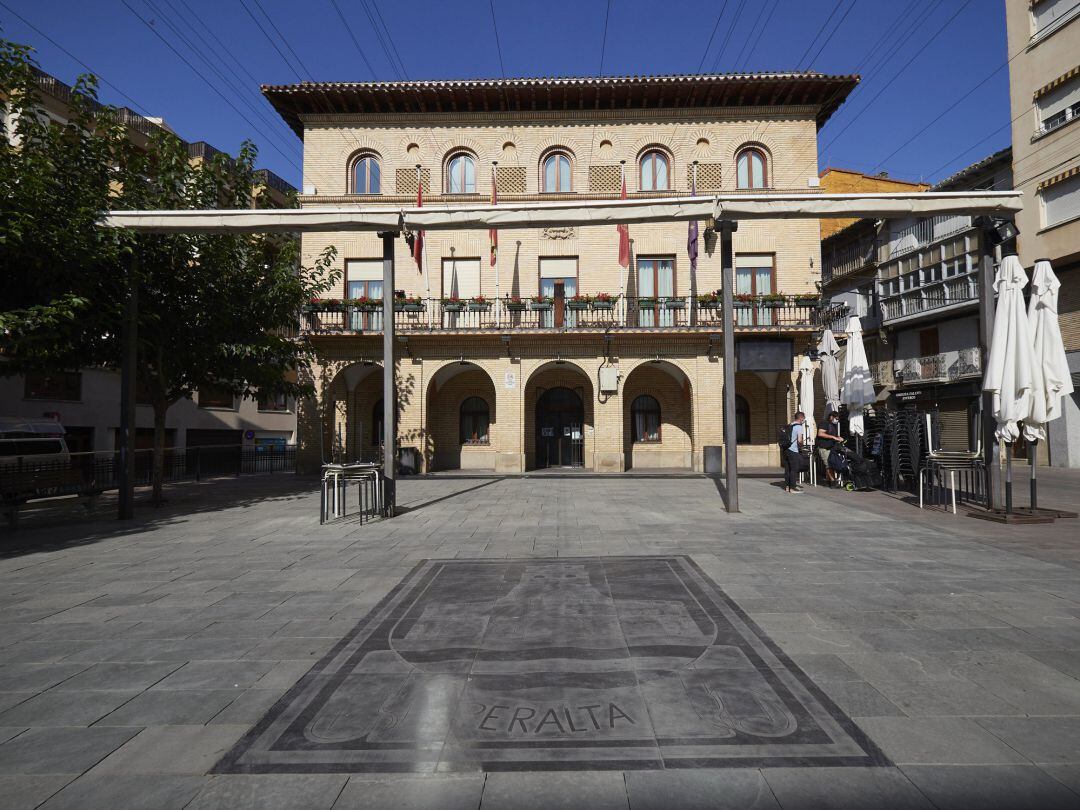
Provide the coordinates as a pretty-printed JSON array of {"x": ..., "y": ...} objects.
[
  {"x": 793, "y": 460},
  {"x": 828, "y": 436}
]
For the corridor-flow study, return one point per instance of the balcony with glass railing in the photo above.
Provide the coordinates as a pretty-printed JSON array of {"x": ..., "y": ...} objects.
[{"x": 541, "y": 314}]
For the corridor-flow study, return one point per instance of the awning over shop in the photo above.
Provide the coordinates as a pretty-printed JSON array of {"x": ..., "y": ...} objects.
[{"x": 563, "y": 213}]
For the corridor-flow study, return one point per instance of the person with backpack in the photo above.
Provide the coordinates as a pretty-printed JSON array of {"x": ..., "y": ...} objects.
[
  {"x": 792, "y": 438},
  {"x": 828, "y": 437}
]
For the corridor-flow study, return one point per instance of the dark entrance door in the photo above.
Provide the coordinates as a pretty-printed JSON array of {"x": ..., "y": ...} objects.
[{"x": 560, "y": 417}]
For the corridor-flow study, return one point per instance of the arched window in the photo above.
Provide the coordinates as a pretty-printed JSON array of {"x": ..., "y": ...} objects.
[
  {"x": 475, "y": 418},
  {"x": 377, "y": 424},
  {"x": 655, "y": 174},
  {"x": 752, "y": 169},
  {"x": 742, "y": 420},
  {"x": 645, "y": 413},
  {"x": 556, "y": 172},
  {"x": 461, "y": 174},
  {"x": 366, "y": 175}
]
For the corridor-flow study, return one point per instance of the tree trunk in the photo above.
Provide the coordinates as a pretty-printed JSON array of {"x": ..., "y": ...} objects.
[{"x": 161, "y": 407}]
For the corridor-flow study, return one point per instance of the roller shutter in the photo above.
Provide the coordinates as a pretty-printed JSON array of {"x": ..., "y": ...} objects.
[{"x": 954, "y": 424}]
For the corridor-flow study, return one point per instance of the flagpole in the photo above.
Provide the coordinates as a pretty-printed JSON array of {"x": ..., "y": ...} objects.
[
  {"x": 494, "y": 187},
  {"x": 423, "y": 254},
  {"x": 622, "y": 270}
]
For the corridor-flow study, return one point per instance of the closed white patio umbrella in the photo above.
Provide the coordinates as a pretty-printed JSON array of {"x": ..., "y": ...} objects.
[
  {"x": 1013, "y": 375},
  {"x": 1049, "y": 348},
  {"x": 806, "y": 405},
  {"x": 858, "y": 386},
  {"x": 828, "y": 349}
]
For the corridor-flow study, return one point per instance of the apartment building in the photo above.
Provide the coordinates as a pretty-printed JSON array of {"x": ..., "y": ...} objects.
[
  {"x": 554, "y": 353},
  {"x": 914, "y": 283},
  {"x": 87, "y": 401},
  {"x": 1044, "y": 91}
]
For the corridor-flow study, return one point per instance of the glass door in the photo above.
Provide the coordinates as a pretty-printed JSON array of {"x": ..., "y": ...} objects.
[
  {"x": 365, "y": 321},
  {"x": 754, "y": 277},
  {"x": 656, "y": 280}
]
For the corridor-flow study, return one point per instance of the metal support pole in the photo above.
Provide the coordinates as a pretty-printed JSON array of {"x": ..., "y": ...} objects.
[
  {"x": 1032, "y": 458},
  {"x": 986, "y": 333},
  {"x": 731, "y": 464},
  {"x": 129, "y": 353},
  {"x": 389, "y": 388}
]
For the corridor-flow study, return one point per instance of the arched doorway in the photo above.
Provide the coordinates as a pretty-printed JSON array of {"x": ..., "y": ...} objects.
[
  {"x": 560, "y": 432},
  {"x": 352, "y": 417},
  {"x": 658, "y": 417},
  {"x": 461, "y": 419}
]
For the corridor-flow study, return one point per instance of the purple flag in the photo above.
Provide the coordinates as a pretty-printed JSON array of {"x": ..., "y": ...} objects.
[{"x": 692, "y": 232}]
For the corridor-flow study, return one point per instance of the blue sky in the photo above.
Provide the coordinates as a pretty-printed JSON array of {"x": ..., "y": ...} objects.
[{"x": 915, "y": 63}]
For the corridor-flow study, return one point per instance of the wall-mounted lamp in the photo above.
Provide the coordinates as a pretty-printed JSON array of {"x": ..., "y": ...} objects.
[
  {"x": 506, "y": 341},
  {"x": 404, "y": 341}
]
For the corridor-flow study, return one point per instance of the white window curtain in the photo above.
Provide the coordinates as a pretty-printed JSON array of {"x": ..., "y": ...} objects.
[
  {"x": 558, "y": 269},
  {"x": 753, "y": 276},
  {"x": 364, "y": 280}
]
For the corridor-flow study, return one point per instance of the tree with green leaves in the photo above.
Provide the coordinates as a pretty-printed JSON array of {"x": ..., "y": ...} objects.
[{"x": 213, "y": 309}]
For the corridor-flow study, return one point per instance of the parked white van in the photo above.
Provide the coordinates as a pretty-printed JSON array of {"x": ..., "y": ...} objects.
[{"x": 34, "y": 441}]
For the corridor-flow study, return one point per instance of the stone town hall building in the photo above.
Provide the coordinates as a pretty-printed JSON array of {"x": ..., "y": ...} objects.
[{"x": 524, "y": 365}]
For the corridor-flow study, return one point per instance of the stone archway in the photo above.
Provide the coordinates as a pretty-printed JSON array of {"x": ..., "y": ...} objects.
[
  {"x": 658, "y": 418},
  {"x": 352, "y": 413},
  {"x": 461, "y": 418},
  {"x": 559, "y": 375}
]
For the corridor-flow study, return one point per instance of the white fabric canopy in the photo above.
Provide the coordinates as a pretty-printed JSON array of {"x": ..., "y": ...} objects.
[
  {"x": 806, "y": 395},
  {"x": 858, "y": 388},
  {"x": 561, "y": 213},
  {"x": 1042, "y": 316},
  {"x": 1012, "y": 374},
  {"x": 828, "y": 349}
]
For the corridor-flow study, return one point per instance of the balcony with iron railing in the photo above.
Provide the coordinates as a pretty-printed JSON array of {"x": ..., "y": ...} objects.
[
  {"x": 955, "y": 292},
  {"x": 942, "y": 367},
  {"x": 679, "y": 313}
]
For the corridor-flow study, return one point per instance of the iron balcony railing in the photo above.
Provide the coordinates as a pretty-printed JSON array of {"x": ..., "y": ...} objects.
[
  {"x": 941, "y": 367},
  {"x": 676, "y": 312},
  {"x": 960, "y": 289}
]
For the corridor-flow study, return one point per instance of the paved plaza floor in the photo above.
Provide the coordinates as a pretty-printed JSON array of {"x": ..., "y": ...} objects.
[{"x": 570, "y": 641}]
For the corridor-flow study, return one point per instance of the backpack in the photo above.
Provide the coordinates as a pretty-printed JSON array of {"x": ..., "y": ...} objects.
[{"x": 783, "y": 438}]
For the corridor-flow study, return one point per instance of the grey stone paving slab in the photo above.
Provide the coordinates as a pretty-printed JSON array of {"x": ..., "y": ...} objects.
[
  {"x": 939, "y": 740},
  {"x": 1068, "y": 775},
  {"x": 1016, "y": 787},
  {"x": 93, "y": 791},
  {"x": 60, "y": 750},
  {"x": 270, "y": 792},
  {"x": 28, "y": 792},
  {"x": 412, "y": 793},
  {"x": 191, "y": 750},
  {"x": 65, "y": 708},
  {"x": 1041, "y": 739},
  {"x": 554, "y": 791},
  {"x": 700, "y": 789},
  {"x": 137, "y": 676},
  {"x": 171, "y": 707},
  {"x": 215, "y": 675},
  {"x": 844, "y": 789}
]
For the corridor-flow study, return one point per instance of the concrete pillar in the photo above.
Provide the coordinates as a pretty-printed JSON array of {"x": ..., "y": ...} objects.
[
  {"x": 509, "y": 436},
  {"x": 609, "y": 420}
]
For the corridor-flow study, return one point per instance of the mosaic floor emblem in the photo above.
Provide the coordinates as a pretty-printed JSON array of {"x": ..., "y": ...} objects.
[{"x": 569, "y": 663}]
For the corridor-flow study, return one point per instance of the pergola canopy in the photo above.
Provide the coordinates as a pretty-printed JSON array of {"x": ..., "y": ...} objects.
[{"x": 569, "y": 212}]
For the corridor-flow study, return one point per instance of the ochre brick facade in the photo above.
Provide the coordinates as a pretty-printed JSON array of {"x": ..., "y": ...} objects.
[{"x": 437, "y": 371}]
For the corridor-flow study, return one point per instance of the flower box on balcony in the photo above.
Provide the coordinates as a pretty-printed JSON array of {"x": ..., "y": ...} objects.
[
  {"x": 453, "y": 306},
  {"x": 479, "y": 305},
  {"x": 516, "y": 305},
  {"x": 577, "y": 304},
  {"x": 708, "y": 301},
  {"x": 675, "y": 303},
  {"x": 742, "y": 303},
  {"x": 606, "y": 305},
  {"x": 409, "y": 306},
  {"x": 806, "y": 301},
  {"x": 541, "y": 304},
  {"x": 365, "y": 306},
  {"x": 325, "y": 305},
  {"x": 646, "y": 303}
]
